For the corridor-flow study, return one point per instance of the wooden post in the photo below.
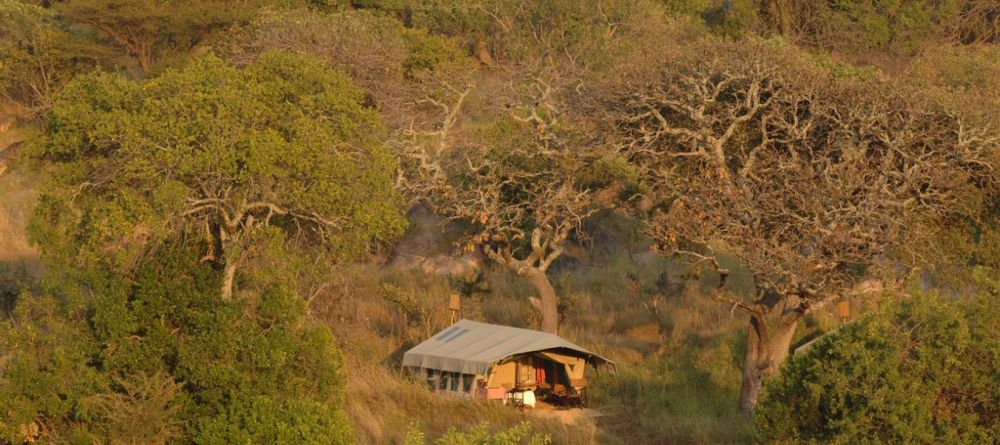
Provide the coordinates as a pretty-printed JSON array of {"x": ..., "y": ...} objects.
[
  {"x": 844, "y": 310},
  {"x": 454, "y": 305}
]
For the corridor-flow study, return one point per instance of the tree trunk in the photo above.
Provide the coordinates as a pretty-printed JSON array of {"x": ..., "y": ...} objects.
[
  {"x": 778, "y": 12},
  {"x": 764, "y": 355},
  {"x": 228, "y": 278},
  {"x": 547, "y": 294}
]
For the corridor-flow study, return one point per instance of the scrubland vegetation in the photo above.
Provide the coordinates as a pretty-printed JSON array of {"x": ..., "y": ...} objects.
[{"x": 225, "y": 221}]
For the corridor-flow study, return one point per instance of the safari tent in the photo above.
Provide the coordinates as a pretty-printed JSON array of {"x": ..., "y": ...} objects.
[{"x": 479, "y": 360}]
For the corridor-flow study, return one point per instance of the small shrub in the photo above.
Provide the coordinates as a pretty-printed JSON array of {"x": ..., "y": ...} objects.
[{"x": 143, "y": 409}]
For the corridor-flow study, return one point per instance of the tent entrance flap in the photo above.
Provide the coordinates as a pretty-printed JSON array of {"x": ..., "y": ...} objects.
[{"x": 537, "y": 370}]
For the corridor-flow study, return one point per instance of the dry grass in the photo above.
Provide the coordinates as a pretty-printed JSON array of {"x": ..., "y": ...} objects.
[
  {"x": 374, "y": 330},
  {"x": 384, "y": 405},
  {"x": 677, "y": 353}
]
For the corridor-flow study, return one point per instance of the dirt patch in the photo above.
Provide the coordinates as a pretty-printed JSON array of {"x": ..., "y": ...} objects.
[{"x": 572, "y": 416}]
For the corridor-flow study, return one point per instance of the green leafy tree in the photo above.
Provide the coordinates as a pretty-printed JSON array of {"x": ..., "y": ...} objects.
[
  {"x": 154, "y": 358},
  {"x": 923, "y": 370},
  {"x": 283, "y": 149},
  {"x": 887, "y": 26}
]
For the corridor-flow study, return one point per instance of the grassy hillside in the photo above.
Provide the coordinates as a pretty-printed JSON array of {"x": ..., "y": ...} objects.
[{"x": 344, "y": 166}]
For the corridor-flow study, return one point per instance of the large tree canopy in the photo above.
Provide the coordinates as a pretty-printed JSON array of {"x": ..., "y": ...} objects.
[
  {"x": 281, "y": 149},
  {"x": 814, "y": 180},
  {"x": 515, "y": 181}
]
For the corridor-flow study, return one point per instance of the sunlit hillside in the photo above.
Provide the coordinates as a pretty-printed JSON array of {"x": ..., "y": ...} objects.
[{"x": 662, "y": 221}]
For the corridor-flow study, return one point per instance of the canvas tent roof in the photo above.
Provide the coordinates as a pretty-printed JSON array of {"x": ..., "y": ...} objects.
[{"x": 470, "y": 347}]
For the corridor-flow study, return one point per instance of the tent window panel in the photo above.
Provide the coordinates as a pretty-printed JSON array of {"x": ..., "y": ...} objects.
[
  {"x": 431, "y": 379},
  {"x": 446, "y": 333},
  {"x": 453, "y": 377},
  {"x": 462, "y": 332},
  {"x": 443, "y": 381},
  {"x": 467, "y": 382}
]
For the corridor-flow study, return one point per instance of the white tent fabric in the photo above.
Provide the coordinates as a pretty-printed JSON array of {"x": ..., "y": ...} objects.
[{"x": 471, "y": 347}]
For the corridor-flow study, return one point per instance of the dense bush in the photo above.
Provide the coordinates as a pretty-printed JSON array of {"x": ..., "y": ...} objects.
[
  {"x": 895, "y": 27},
  {"x": 923, "y": 370},
  {"x": 973, "y": 69},
  {"x": 158, "y": 358}
]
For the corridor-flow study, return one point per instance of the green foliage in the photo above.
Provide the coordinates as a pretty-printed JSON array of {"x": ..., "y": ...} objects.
[
  {"x": 731, "y": 18},
  {"x": 689, "y": 7},
  {"x": 37, "y": 54},
  {"x": 158, "y": 356},
  {"x": 14, "y": 278},
  {"x": 480, "y": 435},
  {"x": 895, "y": 25},
  {"x": 534, "y": 33},
  {"x": 970, "y": 68},
  {"x": 378, "y": 53},
  {"x": 257, "y": 419},
  {"x": 45, "y": 370},
  {"x": 922, "y": 370},
  {"x": 283, "y": 147},
  {"x": 611, "y": 170}
]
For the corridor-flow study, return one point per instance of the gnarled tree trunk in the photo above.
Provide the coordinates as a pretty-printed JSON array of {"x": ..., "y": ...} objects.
[
  {"x": 766, "y": 350},
  {"x": 225, "y": 243},
  {"x": 549, "y": 302},
  {"x": 545, "y": 249},
  {"x": 229, "y": 275}
]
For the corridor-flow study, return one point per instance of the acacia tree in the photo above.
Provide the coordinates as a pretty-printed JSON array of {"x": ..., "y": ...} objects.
[
  {"x": 280, "y": 150},
  {"x": 150, "y": 30},
  {"x": 814, "y": 181},
  {"x": 518, "y": 178},
  {"x": 514, "y": 181}
]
